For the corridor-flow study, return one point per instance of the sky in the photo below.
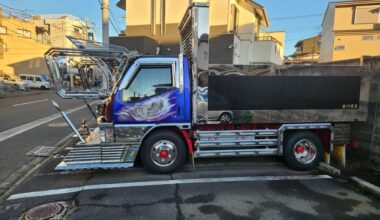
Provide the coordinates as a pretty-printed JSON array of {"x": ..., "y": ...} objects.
[{"x": 300, "y": 19}]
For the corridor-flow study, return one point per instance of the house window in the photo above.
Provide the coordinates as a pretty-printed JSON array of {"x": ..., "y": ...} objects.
[
  {"x": 367, "y": 15},
  {"x": 340, "y": 47},
  {"x": 3, "y": 30},
  {"x": 368, "y": 37},
  {"x": 24, "y": 33}
]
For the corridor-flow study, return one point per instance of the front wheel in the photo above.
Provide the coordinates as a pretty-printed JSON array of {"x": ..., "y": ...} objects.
[
  {"x": 303, "y": 150},
  {"x": 43, "y": 88},
  {"x": 163, "y": 152}
]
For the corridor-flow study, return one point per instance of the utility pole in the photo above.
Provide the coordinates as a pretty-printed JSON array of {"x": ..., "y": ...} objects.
[{"x": 105, "y": 22}]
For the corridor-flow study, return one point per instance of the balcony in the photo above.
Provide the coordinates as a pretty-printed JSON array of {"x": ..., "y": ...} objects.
[{"x": 267, "y": 49}]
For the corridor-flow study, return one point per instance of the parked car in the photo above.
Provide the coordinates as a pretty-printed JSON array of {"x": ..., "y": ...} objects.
[
  {"x": 224, "y": 117},
  {"x": 35, "y": 81},
  {"x": 16, "y": 84}
]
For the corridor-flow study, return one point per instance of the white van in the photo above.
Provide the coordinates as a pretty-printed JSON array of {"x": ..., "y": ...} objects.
[{"x": 35, "y": 81}]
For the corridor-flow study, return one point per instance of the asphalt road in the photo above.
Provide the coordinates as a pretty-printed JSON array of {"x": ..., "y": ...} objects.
[
  {"x": 28, "y": 122},
  {"x": 248, "y": 188}
]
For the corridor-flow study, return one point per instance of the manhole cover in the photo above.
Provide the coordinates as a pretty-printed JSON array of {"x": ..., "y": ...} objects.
[
  {"x": 58, "y": 125},
  {"x": 56, "y": 210},
  {"x": 43, "y": 151}
]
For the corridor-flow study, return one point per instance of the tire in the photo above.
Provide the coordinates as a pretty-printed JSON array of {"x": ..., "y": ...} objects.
[
  {"x": 225, "y": 118},
  {"x": 43, "y": 87},
  {"x": 163, "y": 152},
  {"x": 303, "y": 150}
]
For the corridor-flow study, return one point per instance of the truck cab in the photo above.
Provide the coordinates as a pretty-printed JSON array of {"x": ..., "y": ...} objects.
[{"x": 153, "y": 90}]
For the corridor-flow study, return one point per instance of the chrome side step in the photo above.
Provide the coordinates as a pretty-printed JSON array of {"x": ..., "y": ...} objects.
[
  {"x": 234, "y": 143},
  {"x": 99, "y": 156}
]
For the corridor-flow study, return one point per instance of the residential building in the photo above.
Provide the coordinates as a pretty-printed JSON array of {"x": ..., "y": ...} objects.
[
  {"x": 62, "y": 25},
  {"x": 350, "y": 30},
  {"x": 23, "y": 45},
  {"x": 235, "y": 30},
  {"x": 307, "y": 51}
]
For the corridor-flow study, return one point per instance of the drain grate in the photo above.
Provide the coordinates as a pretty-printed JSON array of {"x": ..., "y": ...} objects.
[
  {"x": 56, "y": 210},
  {"x": 43, "y": 151}
]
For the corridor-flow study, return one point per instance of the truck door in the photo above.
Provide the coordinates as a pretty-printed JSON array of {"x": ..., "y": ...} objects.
[{"x": 151, "y": 92}]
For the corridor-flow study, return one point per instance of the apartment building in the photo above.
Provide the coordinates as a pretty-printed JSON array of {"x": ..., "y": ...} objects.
[
  {"x": 236, "y": 30},
  {"x": 62, "y": 25},
  {"x": 23, "y": 45},
  {"x": 350, "y": 30}
]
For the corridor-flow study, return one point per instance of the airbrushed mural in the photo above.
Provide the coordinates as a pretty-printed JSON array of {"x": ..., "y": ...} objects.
[
  {"x": 345, "y": 113},
  {"x": 160, "y": 108}
]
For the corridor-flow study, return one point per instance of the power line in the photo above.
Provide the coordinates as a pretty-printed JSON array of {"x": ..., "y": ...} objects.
[
  {"x": 296, "y": 17},
  {"x": 112, "y": 23}
]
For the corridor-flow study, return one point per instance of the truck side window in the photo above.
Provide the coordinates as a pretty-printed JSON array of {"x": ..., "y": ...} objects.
[
  {"x": 29, "y": 78},
  {"x": 38, "y": 79},
  {"x": 148, "y": 82},
  {"x": 23, "y": 77}
]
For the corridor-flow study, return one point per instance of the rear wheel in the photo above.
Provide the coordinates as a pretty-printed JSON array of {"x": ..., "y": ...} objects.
[
  {"x": 43, "y": 87},
  {"x": 303, "y": 150},
  {"x": 163, "y": 152}
]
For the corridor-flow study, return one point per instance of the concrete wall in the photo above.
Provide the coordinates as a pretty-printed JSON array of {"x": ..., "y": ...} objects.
[{"x": 368, "y": 133}]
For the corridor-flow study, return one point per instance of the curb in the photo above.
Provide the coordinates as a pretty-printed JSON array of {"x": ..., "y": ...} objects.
[
  {"x": 27, "y": 170},
  {"x": 365, "y": 186},
  {"x": 327, "y": 168}
]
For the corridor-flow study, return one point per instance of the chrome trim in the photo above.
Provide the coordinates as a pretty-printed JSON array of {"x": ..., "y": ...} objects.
[
  {"x": 181, "y": 73},
  {"x": 63, "y": 166},
  {"x": 305, "y": 126},
  {"x": 145, "y": 129}
]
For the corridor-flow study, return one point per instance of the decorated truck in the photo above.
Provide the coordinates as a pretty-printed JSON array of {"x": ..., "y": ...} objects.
[{"x": 167, "y": 110}]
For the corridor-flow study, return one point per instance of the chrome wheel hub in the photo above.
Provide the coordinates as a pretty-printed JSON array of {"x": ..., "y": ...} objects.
[
  {"x": 305, "y": 151},
  {"x": 163, "y": 153}
]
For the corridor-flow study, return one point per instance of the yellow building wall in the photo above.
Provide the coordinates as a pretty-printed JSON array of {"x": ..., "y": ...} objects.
[
  {"x": 140, "y": 16},
  {"x": 344, "y": 17},
  {"x": 355, "y": 46},
  {"x": 348, "y": 29},
  {"x": 23, "y": 55}
]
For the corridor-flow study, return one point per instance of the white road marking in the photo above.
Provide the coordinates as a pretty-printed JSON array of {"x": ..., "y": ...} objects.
[
  {"x": 27, "y": 103},
  {"x": 161, "y": 183},
  {"x": 25, "y": 127}
]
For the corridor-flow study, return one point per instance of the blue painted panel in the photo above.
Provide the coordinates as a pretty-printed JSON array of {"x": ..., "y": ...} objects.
[
  {"x": 165, "y": 107},
  {"x": 172, "y": 106}
]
